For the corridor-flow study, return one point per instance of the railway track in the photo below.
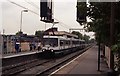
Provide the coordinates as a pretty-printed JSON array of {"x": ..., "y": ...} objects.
[
  {"x": 17, "y": 65},
  {"x": 58, "y": 63},
  {"x": 41, "y": 67},
  {"x": 15, "y": 69}
]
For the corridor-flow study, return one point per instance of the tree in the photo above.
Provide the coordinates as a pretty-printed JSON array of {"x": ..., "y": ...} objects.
[
  {"x": 78, "y": 34},
  {"x": 92, "y": 40},
  {"x": 39, "y": 34},
  {"x": 19, "y": 33},
  {"x": 86, "y": 38},
  {"x": 100, "y": 21},
  {"x": 100, "y": 14}
]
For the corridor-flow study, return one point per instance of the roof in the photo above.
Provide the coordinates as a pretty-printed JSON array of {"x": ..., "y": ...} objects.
[{"x": 61, "y": 33}]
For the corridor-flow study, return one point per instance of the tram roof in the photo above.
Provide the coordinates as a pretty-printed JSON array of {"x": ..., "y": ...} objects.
[
  {"x": 62, "y": 37},
  {"x": 63, "y": 33}
]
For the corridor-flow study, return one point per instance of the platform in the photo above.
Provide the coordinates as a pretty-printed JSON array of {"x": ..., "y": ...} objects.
[
  {"x": 10, "y": 55},
  {"x": 15, "y": 58},
  {"x": 85, "y": 63}
]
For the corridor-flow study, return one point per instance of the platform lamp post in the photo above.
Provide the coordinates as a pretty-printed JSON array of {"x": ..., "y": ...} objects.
[
  {"x": 20, "y": 33},
  {"x": 21, "y": 19}
]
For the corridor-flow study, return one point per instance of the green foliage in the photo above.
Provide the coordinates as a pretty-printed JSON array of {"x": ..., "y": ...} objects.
[
  {"x": 101, "y": 30},
  {"x": 100, "y": 14},
  {"x": 78, "y": 34},
  {"x": 19, "y": 33},
  {"x": 99, "y": 10},
  {"x": 116, "y": 48},
  {"x": 39, "y": 33},
  {"x": 92, "y": 40},
  {"x": 116, "y": 51},
  {"x": 86, "y": 38}
]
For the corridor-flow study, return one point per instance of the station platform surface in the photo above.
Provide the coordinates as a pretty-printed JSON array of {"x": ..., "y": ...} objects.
[
  {"x": 84, "y": 64},
  {"x": 9, "y": 55}
]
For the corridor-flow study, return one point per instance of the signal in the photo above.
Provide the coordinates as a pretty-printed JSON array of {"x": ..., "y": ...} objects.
[
  {"x": 81, "y": 12},
  {"x": 46, "y": 12}
]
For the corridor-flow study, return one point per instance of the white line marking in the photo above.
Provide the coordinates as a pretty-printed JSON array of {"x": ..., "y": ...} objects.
[
  {"x": 66, "y": 64},
  {"x": 20, "y": 54}
]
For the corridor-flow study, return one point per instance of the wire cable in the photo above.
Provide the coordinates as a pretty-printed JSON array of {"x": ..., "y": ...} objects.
[
  {"x": 31, "y": 3},
  {"x": 23, "y": 7},
  {"x": 61, "y": 23}
]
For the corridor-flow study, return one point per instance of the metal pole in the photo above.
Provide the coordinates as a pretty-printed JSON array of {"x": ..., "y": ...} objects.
[
  {"x": 112, "y": 36},
  {"x": 69, "y": 30},
  {"x": 52, "y": 28},
  {"x": 20, "y": 31},
  {"x": 99, "y": 40},
  {"x": 21, "y": 26},
  {"x": 21, "y": 19},
  {"x": 45, "y": 25},
  {"x": 3, "y": 31},
  {"x": 21, "y": 22}
]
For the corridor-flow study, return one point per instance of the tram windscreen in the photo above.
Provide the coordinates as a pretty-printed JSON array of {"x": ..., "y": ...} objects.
[{"x": 50, "y": 41}]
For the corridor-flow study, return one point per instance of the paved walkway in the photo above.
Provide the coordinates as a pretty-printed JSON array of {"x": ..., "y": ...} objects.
[{"x": 85, "y": 64}]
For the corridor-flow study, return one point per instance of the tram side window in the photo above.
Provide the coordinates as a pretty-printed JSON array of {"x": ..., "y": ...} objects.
[
  {"x": 80, "y": 42},
  {"x": 61, "y": 43},
  {"x": 76, "y": 42},
  {"x": 73, "y": 42},
  {"x": 67, "y": 42}
]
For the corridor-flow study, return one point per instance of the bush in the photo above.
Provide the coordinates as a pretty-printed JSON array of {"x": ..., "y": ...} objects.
[{"x": 116, "y": 51}]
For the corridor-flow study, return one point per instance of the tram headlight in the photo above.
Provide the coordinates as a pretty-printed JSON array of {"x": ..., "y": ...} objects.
[
  {"x": 43, "y": 50},
  {"x": 52, "y": 50}
]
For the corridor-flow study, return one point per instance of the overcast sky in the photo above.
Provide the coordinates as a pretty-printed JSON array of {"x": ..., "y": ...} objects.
[{"x": 64, "y": 11}]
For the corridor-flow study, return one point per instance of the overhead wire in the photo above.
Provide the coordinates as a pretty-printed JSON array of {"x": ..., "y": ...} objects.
[
  {"x": 23, "y": 7},
  {"x": 61, "y": 23},
  {"x": 31, "y": 3}
]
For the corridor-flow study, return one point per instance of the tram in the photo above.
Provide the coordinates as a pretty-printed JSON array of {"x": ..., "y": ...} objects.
[{"x": 61, "y": 44}]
